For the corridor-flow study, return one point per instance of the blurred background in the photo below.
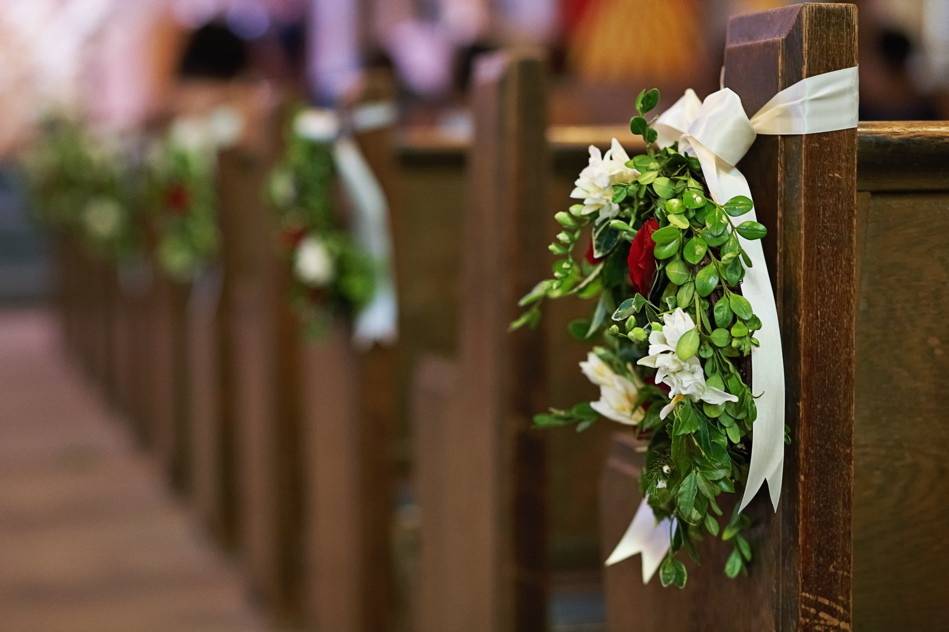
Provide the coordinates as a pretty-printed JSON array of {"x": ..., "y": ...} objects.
[{"x": 127, "y": 68}]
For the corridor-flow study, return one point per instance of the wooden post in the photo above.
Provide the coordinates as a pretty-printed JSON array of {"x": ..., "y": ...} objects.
[
  {"x": 492, "y": 518},
  {"x": 262, "y": 386},
  {"x": 350, "y": 416},
  {"x": 805, "y": 192}
]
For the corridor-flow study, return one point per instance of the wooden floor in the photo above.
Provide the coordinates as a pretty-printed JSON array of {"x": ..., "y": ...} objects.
[{"x": 90, "y": 540}]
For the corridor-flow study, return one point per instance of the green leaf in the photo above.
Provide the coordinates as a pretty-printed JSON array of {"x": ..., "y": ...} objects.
[
  {"x": 619, "y": 193},
  {"x": 565, "y": 219},
  {"x": 579, "y": 328},
  {"x": 694, "y": 250},
  {"x": 685, "y": 294},
  {"x": 677, "y": 272},
  {"x": 663, "y": 187},
  {"x": 667, "y": 572},
  {"x": 667, "y": 250},
  {"x": 752, "y": 230},
  {"x": 538, "y": 292},
  {"x": 665, "y": 235},
  {"x": 605, "y": 238},
  {"x": 647, "y": 100},
  {"x": 646, "y": 177},
  {"x": 722, "y": 313},
  {"x": 679, "y": 221},
  {"x": 674, "y": 206},
  {"x": 740, "y": 306},
  {"x": 733, "y": 272},
  {"x": 625, "y": 309},
  {"x": 651, "y": 135},
  {"x": 637, "y": 125},
  {"x": 738, "y": 205},
  {"x": 688, "y": 344},
  {"x": 681, "y": 575},
  {"x": 693, "y": 199},
  {"x": 734, "y": 433},
  {"x": 686, "y": 422},
  {"x": 734, "y": 564},
  {"x": 720, "y": 337},
  {"x": 645, "y": 162},
  {"x": 685, "y": 496},
  {"x": 528, "y": 319},
  {"x": 603, "y": 307},
  {"x": 711, "y": 524},
  {"x": 706, "y": 280},
  {"x": 744, "y": 547}
]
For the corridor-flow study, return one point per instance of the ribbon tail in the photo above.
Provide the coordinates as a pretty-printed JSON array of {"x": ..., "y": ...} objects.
[
  {"x": 767, "y": 360},
  {"x": 646, "y": 536},
  {"x": 377, "y": 321}
]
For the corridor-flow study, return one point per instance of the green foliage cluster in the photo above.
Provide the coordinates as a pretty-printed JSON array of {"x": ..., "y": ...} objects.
[
  {"x": 699, "y": 451},
  {"x": 183, "y": 206},
  {"x": 81, "y": 185},
  {"x": 301, "y": 190}
]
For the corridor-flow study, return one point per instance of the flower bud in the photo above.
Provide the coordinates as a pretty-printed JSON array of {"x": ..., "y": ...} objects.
[{"x": 638, "y": 334}]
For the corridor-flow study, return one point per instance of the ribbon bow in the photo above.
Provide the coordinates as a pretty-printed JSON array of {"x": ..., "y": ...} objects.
[
  {"x": 377, "y": 321},
  {"x": 718, "y": 132}
]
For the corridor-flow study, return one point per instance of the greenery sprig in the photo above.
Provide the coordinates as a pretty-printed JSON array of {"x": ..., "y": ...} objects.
[
  {"x": 664, "y": 262},
  {"x": 332, "y": 275}
]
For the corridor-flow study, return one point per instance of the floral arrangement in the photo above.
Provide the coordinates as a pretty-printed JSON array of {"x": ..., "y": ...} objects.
[
  {"x": 84, "y": 185},
  {"x": 182, "y": 170},
  {"x": 331, "y": 275},
  {"x": 663, "y": 267}
]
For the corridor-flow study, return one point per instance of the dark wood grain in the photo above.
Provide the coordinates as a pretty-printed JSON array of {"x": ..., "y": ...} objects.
[
  {"x": 903, "y": 155},
  {"x": 901, "y": 433},
  {"x": 495, "y": 486}
]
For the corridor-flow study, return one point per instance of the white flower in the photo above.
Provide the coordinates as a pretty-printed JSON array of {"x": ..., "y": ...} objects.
[
  {"x": 102, "y": 217},
  {"x": 595, "y": 184},
  {"x": 313, "y": 263},
  {"x": 618, "y": 395},
  {"x": 684, "y": 378}
]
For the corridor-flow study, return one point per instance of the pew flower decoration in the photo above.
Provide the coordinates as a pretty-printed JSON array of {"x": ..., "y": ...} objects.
[
  {"x": 182, "y": 170},
  {"x": 330, "y": 274},
  {"x": 81, "y": 183},
  {"x": 662, "y": 263}
]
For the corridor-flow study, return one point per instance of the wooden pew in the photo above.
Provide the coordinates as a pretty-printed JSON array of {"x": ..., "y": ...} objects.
[
  {"x": 350, "y": 415},
  {"x": 856, "y": 542},
  {"x": 481, "y": 472}
]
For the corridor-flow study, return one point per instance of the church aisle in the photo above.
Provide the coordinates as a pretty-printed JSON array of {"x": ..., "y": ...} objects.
[{"x": 90, "y": 540}]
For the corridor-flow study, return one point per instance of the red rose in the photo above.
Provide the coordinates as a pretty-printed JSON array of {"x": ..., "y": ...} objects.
[
  {"x": 177, "y": 199},
  {"x": 590, "y": 257},
  {"x": 641, "y": 262}
]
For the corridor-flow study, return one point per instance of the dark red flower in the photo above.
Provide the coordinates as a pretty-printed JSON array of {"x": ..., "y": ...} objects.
[
  {"x": 641, "y": 262},
  {"x": 292, "y": 236},
  {"x": 177, "y": 199},
  {"x": 590, "y": 257}
]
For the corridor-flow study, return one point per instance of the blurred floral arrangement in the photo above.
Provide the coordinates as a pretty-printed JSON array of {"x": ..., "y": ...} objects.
[
  {"x": 331, "y": 274},
  {"x": 84, "y": 185}
]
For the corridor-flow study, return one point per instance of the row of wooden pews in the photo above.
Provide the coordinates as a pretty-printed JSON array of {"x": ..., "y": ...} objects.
[{"x": 403, "y": 488}]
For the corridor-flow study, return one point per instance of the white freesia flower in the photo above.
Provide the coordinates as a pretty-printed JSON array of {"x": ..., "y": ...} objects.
[
  {"x": 595, "y": 184},
  {"x": 618, "y": 395},
  {"x": 313, "y": 263},
  {"x": 102, "y": 217},
  {"x": 685, "y": 378}
]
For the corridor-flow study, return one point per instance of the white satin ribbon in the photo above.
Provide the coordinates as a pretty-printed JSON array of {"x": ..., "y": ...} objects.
[
  {"x": 719, "y": 133},
  {"x": 377, "y": 321}
]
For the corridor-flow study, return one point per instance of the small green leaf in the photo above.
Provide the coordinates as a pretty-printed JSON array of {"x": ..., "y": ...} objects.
[
  {"x": 647, "y": 100},
  {"x": 565, "y": 219},
  {"x": 637, "y": 125},
  {"x": 619, "y": 193},
  {"x": 645, "y": 162},
  {"x": 666, "y": 234},
  {"x": 667, "y": 250},
  {"x": 693, "y": 199},
  {"x": 685, "y": 496},
  {"x": 667, "y": 572},
  {"x": 538, "y": 292},
  {"x": 603, "y": 307},
  {"x": 740, "y": 306},
  {"x": 694, "y": 250},
  {"x": 679, "y": 221},
  {"x": 646, "y": 177},
  {"x": 752, "y": 230},
  {"x": 605, "y": 238},
  {"x": 579, "y": 328},
  {"x": 734, "y": 564},
  {"x": 711, "y": 524},
  {"x": 743, "y": 547},
  {"x": 706, "y": 280},
  {"x": 686, "y": 422},
  {"x": 674, "y": 206},
  {"x": 685, "y": 294},
  {"x": 722, "y": 313},
  {"x": 681, "y": 575},
  {"x": 663, "y": 187},
  {"x": 528, "y": 319},
  {"x": 651, "y": 135},
  {"x": 738, "y": 205},
  {"x": 720, "y": 337},
  {"x": 677, "y": 272},
  {"x": 688, "y": 344}
]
